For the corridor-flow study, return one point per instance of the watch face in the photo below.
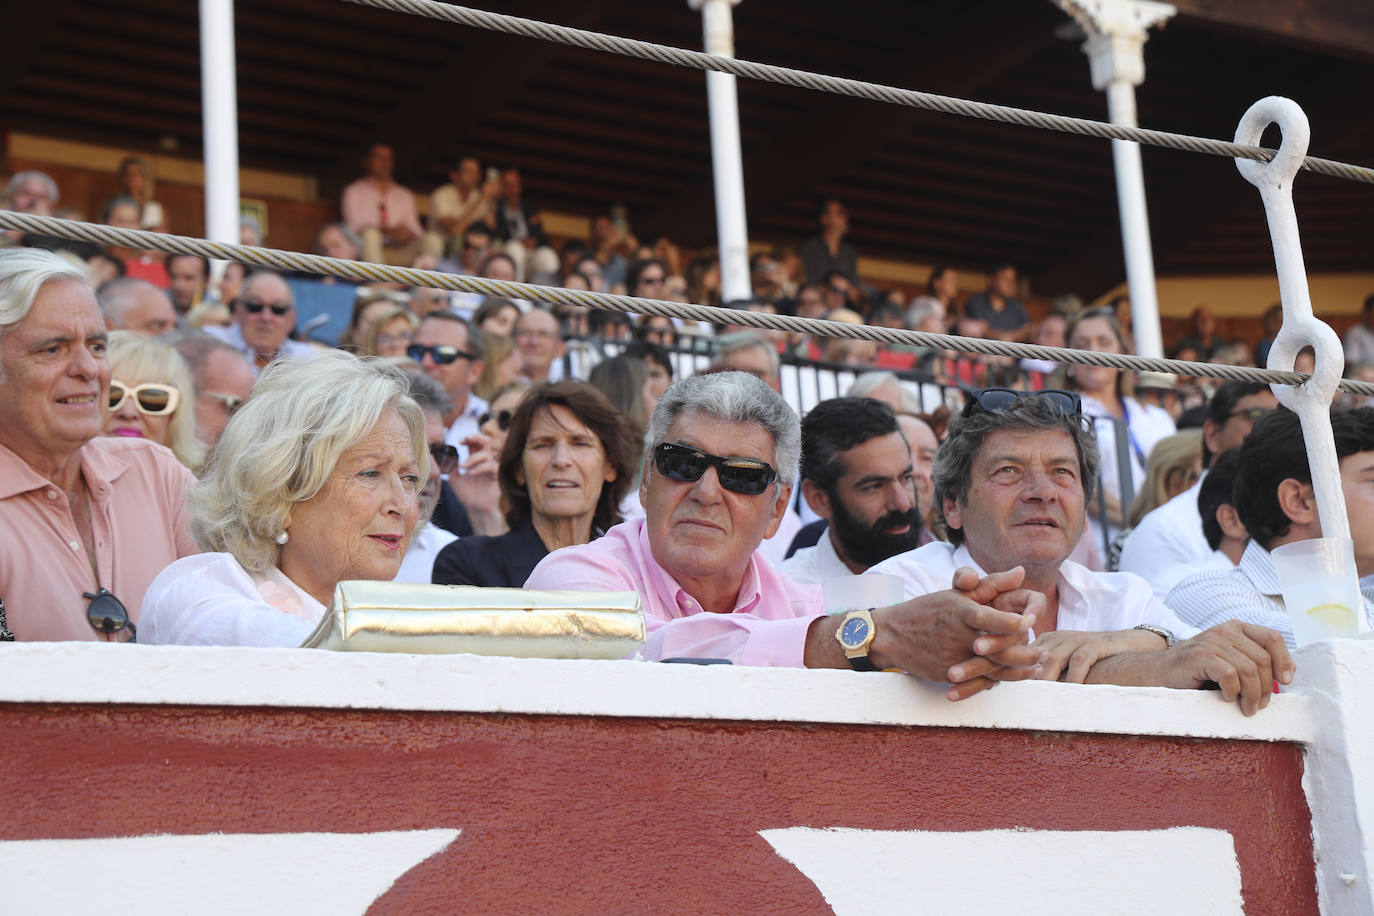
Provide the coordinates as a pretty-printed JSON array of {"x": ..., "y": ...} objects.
[{"x": 853, "y": 632}]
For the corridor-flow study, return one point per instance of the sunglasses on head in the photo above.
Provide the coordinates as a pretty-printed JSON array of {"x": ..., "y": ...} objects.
[
  {"x": 254, "y": 308},
  {"x": 445, "y": 457},
  {"x": 107, "y": 613},
  {"x": 502, "y": 418},
  {"x": 991, "y": 400},
  {"x": 740, "y": 475},
  {"x": 151, "y": 398},
  {"x": 443, "y": 354}
]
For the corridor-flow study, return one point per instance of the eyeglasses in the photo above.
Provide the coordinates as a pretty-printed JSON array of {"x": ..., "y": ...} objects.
[
  {"x": 151, "y": 398},
  {"x": 231, "y": 402},
  {"x": 254, "y": 308},
  {"x": 1254, "y": 413},
  {"x": 107, "y": 613},
  {"x": 740, "y": 475},
  {"x": 502, "y": 419},
  {"x": 386, "y": 340},
  {"x": 445, "y": 457},
  {"x": 443, "y": 354},
  {"x": 991, "y": 400}
]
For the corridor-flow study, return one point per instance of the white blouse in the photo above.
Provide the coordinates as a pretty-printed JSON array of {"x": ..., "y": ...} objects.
[{"x": 210, "y": 600}]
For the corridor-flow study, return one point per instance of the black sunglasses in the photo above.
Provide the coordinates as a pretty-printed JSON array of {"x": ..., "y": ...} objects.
[
  {"x": 686, "y": 464},
  {"x": 445, "y": 457},
  {"x": 254, "y": 308},
  {"x": 107, "y": 613},
  {"x": 443, "y": 354},
  {"x": 502, "y": 418},
  {"x": 1254, "y": 413},
  {"x": 991, "y": 400}
]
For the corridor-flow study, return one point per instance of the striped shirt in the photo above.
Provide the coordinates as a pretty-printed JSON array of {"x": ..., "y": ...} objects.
[{"x": 1249, "y": 592}]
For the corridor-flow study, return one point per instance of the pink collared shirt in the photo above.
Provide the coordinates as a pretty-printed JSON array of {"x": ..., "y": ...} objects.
[
  {"x": 362, "y": 207},
  {"x": 767, "y": 627},
  {"x": 139, "y": 523}
]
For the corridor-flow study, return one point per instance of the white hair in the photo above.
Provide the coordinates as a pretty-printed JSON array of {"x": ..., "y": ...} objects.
[
  {"x": 735, "y": 397},
  {"x": 23, "y": 271},
  {"x": 281, "y": 447}
]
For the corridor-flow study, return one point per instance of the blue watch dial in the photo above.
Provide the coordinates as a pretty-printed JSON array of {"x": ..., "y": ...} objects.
[{"x": 854, "y": 631}]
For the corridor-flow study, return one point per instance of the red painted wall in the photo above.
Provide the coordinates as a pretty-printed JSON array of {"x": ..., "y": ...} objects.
[{"x": 604, "y": 815}]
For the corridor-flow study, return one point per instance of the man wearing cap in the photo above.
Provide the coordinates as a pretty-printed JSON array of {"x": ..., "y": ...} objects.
[
  {"x": 721, "y": 458},
  {"x": 1012, "y": 480}
]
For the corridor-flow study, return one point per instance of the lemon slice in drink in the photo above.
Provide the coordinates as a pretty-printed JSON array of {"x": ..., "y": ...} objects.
[{"x": 1336, "y": 618}]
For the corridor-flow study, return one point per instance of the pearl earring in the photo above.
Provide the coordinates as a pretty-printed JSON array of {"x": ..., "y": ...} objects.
[{"x": 283, "y": 538}]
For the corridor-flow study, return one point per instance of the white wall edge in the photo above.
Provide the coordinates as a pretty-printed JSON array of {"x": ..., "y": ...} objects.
[{"x": 303, "y": 678}]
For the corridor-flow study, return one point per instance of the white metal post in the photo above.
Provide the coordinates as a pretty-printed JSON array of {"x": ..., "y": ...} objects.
[
  {"x": 726, "y": 162},
  {"x": 219, "y": 110},
  {"x": 1115, "y": 47},
  {"x": 1311, "y": 401}
]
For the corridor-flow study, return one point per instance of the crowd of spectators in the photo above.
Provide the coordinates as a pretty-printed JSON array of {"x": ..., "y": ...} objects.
[{"x": 461, "y": 439}]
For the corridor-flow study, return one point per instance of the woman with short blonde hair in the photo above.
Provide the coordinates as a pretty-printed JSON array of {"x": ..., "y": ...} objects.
[{"x": 315, "y": 480}]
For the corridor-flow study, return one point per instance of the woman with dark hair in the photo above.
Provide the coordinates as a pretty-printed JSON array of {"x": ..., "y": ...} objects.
[
  {"x": 1107, "y": 401},
  {"x": 566, "y": 465}
]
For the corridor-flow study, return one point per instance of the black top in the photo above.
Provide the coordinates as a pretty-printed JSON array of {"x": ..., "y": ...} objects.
[{"x": 502, "y": 561}]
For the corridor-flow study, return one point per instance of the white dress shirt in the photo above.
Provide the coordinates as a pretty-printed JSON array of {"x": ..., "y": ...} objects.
[
  {"x": 816, "y": 563},
  {"x": 1090, "y": 601},
  {"x": 1168, "y": 544}
]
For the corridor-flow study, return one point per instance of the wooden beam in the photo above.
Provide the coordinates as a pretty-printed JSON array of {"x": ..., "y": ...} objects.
[{"x": 1339, "y": 26}]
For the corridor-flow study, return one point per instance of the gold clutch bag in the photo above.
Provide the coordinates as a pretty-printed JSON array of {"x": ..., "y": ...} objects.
[{"x": 437, "y": 619}]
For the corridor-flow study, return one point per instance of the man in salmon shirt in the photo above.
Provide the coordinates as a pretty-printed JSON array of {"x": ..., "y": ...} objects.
[{"x": 86, "y": 522}]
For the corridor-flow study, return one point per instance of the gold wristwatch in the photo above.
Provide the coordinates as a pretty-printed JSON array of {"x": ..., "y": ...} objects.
[{"x": 855, "y": 635}]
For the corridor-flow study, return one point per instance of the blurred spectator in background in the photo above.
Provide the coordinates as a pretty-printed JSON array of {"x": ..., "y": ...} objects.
[
  {"x": 382, "y": 213},
  {"x": 540, "y": 344},
  {"x": 465, "y": 200},
  {"x": 221, "y": 377},
  {"x": 1002, "y": 314},
  {"x": 827, "y": 251},
  {"x": 152, "y": 396},
  {"x": 520, "y": 230},
  {"x": 1359, "y": 338},
  {"x": 136, "y": 182},
  {"x": 135, "y": 305},
  {"x": 123, "y": 212},
  {"x": 188, "y": 276}
]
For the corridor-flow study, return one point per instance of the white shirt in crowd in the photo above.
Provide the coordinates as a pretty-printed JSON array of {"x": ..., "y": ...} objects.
[
  {"x": 1088, "y": 601},
  {"x": 210, "y": 600},
  {"x": 1168, "y": 544},
  {"x": 816, "y": 563}
]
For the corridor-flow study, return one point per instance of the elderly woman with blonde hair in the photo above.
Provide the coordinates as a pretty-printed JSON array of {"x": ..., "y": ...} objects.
[
  {"x": 314, "y": 481},
  {"x": 152, "y": 396}
]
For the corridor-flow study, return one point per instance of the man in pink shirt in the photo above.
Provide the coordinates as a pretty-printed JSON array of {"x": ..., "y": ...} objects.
[
  {"x": 85, "y": 522},
  {"x": 722, "y": 453},
  {"x": 382, "y": 213}
]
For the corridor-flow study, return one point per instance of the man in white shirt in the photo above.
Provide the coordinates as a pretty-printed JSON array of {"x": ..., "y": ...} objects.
[
  {"x": 1168, "y": 544},
  {"x": 856, "y": 474},
  {"x": 1012, "y": 480},
  {"x": 1273, "y": 494}
]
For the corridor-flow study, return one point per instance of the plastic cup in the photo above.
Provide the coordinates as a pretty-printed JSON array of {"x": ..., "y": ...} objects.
[
  {"x": 849, "y": 593},
  {"x": 1321, "y": 589}
]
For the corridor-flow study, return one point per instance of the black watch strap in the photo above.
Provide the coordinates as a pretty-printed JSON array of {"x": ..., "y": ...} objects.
[{"x": 861, "y": 663}]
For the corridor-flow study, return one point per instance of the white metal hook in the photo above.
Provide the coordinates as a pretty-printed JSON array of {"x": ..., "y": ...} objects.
[{"x": 1311, "y": 401}]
